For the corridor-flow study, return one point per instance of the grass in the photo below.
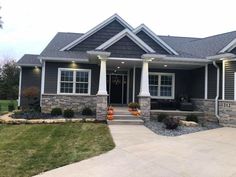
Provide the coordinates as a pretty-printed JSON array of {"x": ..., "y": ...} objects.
[
  {"x": 27, "y": 150},
  {"x": 4, "y": 105}
]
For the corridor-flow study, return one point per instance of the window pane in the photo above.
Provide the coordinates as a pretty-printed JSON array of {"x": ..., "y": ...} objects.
[
  {"x": 153, "y": 90},
  {"x": 153, "y": 79},
  {"x": 66, "y": 87},
  {"x": 166, "y": 80},
  {"x": 81, "y": 76},
  {"x": 166, "y": 91},
  {"x": 81, "y": 88},
  {"x": 66, "y": 75}
]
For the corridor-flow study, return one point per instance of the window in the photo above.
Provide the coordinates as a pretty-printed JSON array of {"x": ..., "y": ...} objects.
[
  {"x": 161, "y": 85},
  {"x": 74, "y": 81}
]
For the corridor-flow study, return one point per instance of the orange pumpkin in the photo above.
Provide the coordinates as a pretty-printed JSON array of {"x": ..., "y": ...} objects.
[
  {"x": 110, "y": 117},
  {"x": 110, "y": 112}
]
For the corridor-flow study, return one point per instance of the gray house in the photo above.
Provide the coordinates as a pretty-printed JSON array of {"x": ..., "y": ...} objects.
[{"x": 114, "y": 63}]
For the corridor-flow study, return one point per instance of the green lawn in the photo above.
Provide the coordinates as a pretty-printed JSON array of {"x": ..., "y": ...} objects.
[
  {"x": 27, "y": 150},
  {"x": 4, "y": 105}
]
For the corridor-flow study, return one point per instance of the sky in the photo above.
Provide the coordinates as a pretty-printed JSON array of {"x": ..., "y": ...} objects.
[{"x": 29, "y": 25}]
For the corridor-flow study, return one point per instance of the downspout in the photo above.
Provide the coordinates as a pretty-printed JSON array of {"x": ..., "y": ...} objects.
[{"x": 217, "y": 90}]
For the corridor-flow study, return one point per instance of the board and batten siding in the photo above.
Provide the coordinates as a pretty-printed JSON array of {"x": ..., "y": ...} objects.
[
  {"x": 51, "y": 73},
  {"x": 230, "y": 69},
  {"x": 31, "y": 77}
]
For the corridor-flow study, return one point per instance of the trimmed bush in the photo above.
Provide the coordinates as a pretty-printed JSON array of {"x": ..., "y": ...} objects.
[
  {"x": 161, "y": 117},
  {"x": 56, "y": 112},
  {"x": 68, "y": 113},
  {"x": 171, "y": 123},
  {"x": 11, "y": 107},
  {"x": 0, "y": 107},
  {"x": 192, "y": 117},
  {"x": 87, "y": 111}
]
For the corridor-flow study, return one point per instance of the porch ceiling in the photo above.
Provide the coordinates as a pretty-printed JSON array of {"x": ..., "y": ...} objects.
[{"x": 127, "y": 64}]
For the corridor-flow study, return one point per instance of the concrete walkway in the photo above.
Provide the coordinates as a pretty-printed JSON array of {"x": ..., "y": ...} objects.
[{"x": 141, "y": 153}]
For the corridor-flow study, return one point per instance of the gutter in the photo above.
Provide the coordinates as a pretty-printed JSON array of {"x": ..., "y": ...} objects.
[{"x": 217, "y": 90}]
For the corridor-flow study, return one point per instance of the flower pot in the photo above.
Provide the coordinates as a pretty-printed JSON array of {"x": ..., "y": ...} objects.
[{"x": 110, "y": 117}]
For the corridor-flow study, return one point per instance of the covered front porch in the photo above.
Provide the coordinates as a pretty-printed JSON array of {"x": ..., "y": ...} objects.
[{"x": 150, "y": 79}]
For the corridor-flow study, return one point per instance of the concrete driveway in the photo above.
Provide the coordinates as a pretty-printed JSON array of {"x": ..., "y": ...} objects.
[{"x": 141, "y": 153}]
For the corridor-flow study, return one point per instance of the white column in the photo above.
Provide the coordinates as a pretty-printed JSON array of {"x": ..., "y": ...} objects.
[
  {"x": 134, "y": 74},
  {"x": 144, "y": 87},
  {"x": 19, "y": 91},
  {"x": 102, "y": 90},
  {"x": 223, "y": 80},
  {"x": 206, "y": 82},
  {"x": 42, "y": 81}
]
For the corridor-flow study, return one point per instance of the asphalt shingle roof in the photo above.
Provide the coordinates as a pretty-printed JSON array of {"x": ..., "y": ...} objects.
[
  {"x": 29, "y": 59},
  {"x": 60, "y": 41}
]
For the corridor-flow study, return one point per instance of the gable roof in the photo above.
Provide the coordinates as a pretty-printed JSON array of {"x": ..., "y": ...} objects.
[
  {"x": 97, "y": 28},
  {"x": 29, "y": 60},
  {"x": 153, "y": 36},
  {"x": 129, "y": 34}
]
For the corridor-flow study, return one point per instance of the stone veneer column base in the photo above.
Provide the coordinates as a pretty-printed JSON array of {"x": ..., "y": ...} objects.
[
  {"x": 144, "y": 102},
  {"x": 101, "y": 110}
]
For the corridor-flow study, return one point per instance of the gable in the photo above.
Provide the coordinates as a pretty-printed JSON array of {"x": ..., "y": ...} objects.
[
  {"x": 125, "y": 48},
  {"x": 154, "y": 45},
  {"x": 99, "y": 37}
]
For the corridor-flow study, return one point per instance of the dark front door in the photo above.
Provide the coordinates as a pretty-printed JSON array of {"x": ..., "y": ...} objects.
[{"x": 117, "y": 88}]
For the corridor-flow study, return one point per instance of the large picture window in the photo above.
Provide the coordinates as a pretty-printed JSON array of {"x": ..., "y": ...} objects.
[
  {"x": 74, "y": 81},
  {"x": 161, "y": 85}
]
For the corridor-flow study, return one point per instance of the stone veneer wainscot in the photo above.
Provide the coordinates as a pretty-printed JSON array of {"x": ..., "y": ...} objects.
[{"x": 75, "y": 102}]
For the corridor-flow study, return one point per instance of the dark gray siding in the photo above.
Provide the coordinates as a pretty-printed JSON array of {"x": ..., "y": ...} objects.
[
  {"x": 51, "y": 72},
  {"x": 155, "y": 46},
  {"x": 233, "y": 51},
  {"x": 212, "y": 79},
  {"x": 99, "y": 37},
  {"x": 125, "y": 48},
  {"x": 31, "y": 77},
  {"x": 197, "y": 83},
  {"x": 230, "y": 68}
]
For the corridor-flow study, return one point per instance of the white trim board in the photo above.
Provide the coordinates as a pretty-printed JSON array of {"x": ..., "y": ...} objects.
[
  {"x": 223, "y": 80},
  {"x": 153, "y": 36},
  {"x": 19, "y": 91},
  {"x": 122, "y": 34},
  {"x": 235, "y": 86},
  {"x": 74, "y": 81},
  {"x": 97, "y": 28}
]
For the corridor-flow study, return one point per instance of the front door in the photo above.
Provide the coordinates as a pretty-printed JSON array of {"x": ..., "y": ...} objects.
[{"x": 117, "y": 88}]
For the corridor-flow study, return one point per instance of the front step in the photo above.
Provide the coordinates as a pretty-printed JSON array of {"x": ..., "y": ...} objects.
[
  {"x": 126, "y": 117},
  {"x": 125, "y": 122}
]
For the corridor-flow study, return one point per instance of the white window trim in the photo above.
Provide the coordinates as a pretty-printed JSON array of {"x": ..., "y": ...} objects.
[
  {"x": 74, "y": 81},
  {"x": 159, "y": 85}
]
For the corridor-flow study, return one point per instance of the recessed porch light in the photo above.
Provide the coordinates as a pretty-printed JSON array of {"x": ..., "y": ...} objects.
[
  {"x": 122, "y": 62},
  {"x": 165, "y": 66},
  {"x": 118, "y": 67}
]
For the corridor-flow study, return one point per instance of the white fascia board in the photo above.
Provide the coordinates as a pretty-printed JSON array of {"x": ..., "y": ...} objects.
[
  {"x": 132, "y": 36},
  {"x": 30, "y": 65},
  {"x": 190, "y": 60},
  {"x": 62, "y": 59},
  {"x": 220, "y": 56},
  {"x": 152, "y": 35},
  {"x": 229, "y": 47},
  {"x": 97, "y": 28}
]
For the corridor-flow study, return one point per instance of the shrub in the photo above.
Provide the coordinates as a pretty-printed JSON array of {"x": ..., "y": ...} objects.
[
  {"x": 87, "y": 111},
  {"x": 11, "y": 107},
  {"x": 192, "y": 117},
  {"x": 0, "y": 107},
  {"x": 171, "y": 123},
  {"x": 68, "y": 113},
  {"x": 161, "y": 117},
  {"x": 56, "y": 112},
  {"x": 133, "y": 105}
]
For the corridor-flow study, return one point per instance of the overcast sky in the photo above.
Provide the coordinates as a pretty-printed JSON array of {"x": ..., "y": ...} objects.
[{"x": 30, "y": 24}]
